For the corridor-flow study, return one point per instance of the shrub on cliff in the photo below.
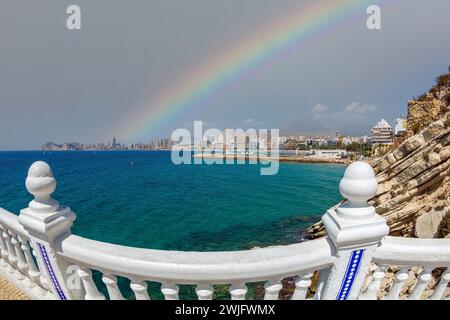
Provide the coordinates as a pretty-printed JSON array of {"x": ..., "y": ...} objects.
[
  {"x": 443, "y": 80},
  {"x": 447, "y": 98}
]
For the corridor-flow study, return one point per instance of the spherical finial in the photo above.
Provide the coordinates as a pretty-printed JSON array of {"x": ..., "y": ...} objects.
[
  {"x": 359, "y": 183},
  {"x": 41, "y": 184},
  {"x": 40, "y": 169}
]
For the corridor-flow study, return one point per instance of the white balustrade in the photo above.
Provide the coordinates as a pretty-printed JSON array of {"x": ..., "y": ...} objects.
[
  {"x": 301, "y": 286},
  {"x": 422, "y": 283},
  {"x": 356, "y": 238},
  {"x": 272, "y": 289},
  {"x": 441, "y": 287},
  {"x": 21, "y": 262},
  {"x": 92, "y": 292},
  {"x": 139, "y": 288},
  {"x": 238, "y": 291},
  {"x": 20, "y": 266},
  {"x": 371, "y": 292},
  {"x": 3, "y": 247},
  {"x": 170, "y": 291},
  {"x": 110, "y": 282},
  {"x": 33, "y": 271},
  {"x": 204, "y": 292},
  {"x": 399, "y": 281},
  {"x": 12, "y": 258}
]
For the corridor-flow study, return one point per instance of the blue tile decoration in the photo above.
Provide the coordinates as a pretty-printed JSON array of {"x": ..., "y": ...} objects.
[
  {"x": 51, "y": 272},
  {"x": 350, "y": 274}
]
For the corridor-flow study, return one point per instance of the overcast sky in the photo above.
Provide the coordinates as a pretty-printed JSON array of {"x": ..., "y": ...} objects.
[{"x": 60, "y": 85}]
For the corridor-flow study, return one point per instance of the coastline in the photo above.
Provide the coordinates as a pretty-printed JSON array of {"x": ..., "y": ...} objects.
[{"x": 293, "y": 159}]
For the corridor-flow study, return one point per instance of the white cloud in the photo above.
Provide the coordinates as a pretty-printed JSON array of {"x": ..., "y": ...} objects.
[
  {"x": 319, "y": 108},
  {"x": 356, "y": 107},
  {"x": 350, "y": 118},
  {"x": 252, "y": 122}
]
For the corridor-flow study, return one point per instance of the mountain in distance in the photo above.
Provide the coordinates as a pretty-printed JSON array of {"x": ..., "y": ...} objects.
[{"x": 51, "y": 146}]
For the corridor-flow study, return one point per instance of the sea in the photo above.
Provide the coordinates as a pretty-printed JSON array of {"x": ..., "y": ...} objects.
[{"x": 142, "y": 199}]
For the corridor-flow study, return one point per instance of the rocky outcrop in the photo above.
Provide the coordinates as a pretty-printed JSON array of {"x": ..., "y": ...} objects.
[
  {"x": 414, "y": 178},
  {"x": 430, "y": 224},
  {"x": 422, "y": 113},
  {"x": 429, "y": 107}
]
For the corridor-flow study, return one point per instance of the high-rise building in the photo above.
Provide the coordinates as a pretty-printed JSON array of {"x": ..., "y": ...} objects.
[
  {"x": 230, "y": 139},
  {"x": 382, "y": 133},
  {"x": 114, "y": 143}
]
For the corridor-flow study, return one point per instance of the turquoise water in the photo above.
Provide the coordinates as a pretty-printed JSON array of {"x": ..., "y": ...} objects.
[{"x": 139, "y": 198}]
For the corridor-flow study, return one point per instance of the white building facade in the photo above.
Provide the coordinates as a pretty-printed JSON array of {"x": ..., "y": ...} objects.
[
  {"x": 382, "y": 133},
  {"x": 400, "y": 126}
]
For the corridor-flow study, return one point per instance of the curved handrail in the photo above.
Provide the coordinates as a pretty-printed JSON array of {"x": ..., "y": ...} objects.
[
  {"x": 11, "y": 222},
  {"x": 183, "y": 267},
  {"x": 413, "y": 252}
]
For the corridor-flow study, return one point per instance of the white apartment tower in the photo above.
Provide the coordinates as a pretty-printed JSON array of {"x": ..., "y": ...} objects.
[{"x": 382, "y": 133}]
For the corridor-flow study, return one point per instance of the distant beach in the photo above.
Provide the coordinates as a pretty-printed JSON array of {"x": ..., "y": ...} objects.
[{"x": 299, "y": 159}]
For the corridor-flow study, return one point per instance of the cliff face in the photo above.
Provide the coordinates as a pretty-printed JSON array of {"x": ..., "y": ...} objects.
[
  {"x": 429, "y": 107},
  {"x": 414, "y": 178}
]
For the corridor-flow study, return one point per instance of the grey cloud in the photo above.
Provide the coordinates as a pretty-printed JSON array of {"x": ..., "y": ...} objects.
[{"x": 82, "y": 85}]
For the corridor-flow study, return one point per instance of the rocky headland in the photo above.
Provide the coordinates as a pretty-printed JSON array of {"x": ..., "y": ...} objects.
[
  {"x": 414, "y": 174},
  {"x": 414, "y": 179}
]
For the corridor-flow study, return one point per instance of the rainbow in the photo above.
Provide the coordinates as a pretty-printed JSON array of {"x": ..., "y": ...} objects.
[{"x": 284, "y": 35}]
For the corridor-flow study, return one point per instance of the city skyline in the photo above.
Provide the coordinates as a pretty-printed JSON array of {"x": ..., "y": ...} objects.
[
  {"x": 87, "y": 85},
  {"x": 381, "y": 133},
  {"x": 294, "y": 135}
]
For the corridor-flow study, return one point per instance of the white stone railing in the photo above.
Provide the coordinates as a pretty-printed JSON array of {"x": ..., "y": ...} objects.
[
  {"x": 202, "y": 269},
  {"x": 405, "y": 253},
  {"x": 17, "y": 262},
  {"x": 42, "y": 258}
]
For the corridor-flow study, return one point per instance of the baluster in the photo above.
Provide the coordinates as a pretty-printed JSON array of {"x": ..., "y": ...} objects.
[
  {"x": 43, "y": 283},
  {"x": 301, "y": 286},
  {"x": 440, "y": 289},
  {"x": 3, "y": 247},
  {"x": 92, "y": 292},
  {"x": 374, "y": 285},
  {"x": 10, "y": 248},
  {"x": 400, "y": 278},
  {"x": 111, "y": 285},
  {"x": 238, "y": 291},
  {"x": 21, "y": 261},
  {"x": 33, "y": 271},
  {"x": 140, "y": 289},
  {"x": 422, "y": 283},
  {"x": 272, "y": 290},
  {"x": 204, "y": 292},
  {"x": 170, "y": 291},
  {"x": 323, "y": 276}
]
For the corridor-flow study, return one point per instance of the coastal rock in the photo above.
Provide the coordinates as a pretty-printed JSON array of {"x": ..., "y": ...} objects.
[
  {"x": 428, "y": 225},
  {"x": 422, "y": 113}
]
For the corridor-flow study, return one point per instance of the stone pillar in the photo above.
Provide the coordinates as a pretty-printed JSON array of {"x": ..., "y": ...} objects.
[
  {"x": 48, "y": 224},
  {"x": 355, "y": 231}
]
